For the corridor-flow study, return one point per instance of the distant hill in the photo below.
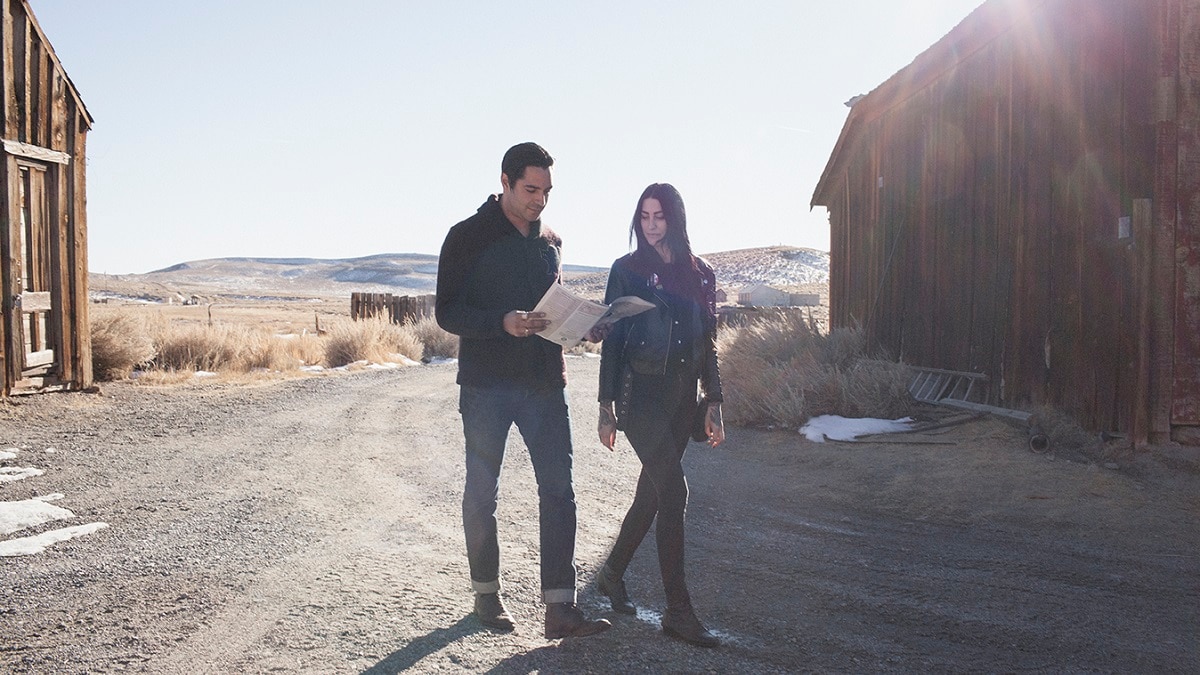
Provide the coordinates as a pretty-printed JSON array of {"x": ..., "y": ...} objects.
[
  {"x": 413, "y": 274},
  {"x": 801, "y": 270}
]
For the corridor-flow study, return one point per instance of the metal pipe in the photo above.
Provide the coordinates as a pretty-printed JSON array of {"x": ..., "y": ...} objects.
[{"x": 1038, "y": 441}]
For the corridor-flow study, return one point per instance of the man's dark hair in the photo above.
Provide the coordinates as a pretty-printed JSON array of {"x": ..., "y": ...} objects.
[{"x": 522, "y": 155}]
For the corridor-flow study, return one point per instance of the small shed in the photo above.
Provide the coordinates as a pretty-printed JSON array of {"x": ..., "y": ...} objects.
[
  {"x": 763, "y": 296},
  {"x": 44, "y": 337},
  {"x": 1023, "y": 201}
]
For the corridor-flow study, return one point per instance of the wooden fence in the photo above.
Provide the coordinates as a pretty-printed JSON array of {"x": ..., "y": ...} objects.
[
  {"x": 397, "y": 308},
  {"x": 740, "y": 316}
]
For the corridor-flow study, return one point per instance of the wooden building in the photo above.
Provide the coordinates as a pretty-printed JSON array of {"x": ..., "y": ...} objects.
[
  {"x": 44, "y": 338},
  {"x": 1023, "y": 201},
  {"x": 761, "y": 295}
]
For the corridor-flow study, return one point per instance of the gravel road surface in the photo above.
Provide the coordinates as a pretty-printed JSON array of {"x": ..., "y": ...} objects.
[{"x": 313, "y": 525}]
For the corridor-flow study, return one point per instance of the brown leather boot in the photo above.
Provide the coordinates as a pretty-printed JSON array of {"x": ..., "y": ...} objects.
[
  {"x": 685, "y": 626},
  {"x": 491, "y": 611},
  {"x": 611, "y": 585},
  {"x": 563, "y": 619}
]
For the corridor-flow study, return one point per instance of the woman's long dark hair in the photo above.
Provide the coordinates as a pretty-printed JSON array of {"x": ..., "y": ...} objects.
[{"x": 676, "y": 238}]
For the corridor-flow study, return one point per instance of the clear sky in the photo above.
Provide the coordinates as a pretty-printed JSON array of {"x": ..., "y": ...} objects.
[{"x": 323, "y": 129}]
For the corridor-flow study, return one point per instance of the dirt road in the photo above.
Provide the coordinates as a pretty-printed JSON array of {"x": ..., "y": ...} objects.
[{"x": 313, "y": 525}]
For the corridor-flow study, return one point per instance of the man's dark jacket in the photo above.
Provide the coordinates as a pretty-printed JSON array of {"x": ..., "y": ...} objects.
[{"x": 486, "y": 269}]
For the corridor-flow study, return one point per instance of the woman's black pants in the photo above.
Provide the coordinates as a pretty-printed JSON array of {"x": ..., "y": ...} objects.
[{"x": 658, "y": 428}]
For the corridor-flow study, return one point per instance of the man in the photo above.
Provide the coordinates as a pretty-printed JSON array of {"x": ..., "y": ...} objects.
[{"x": 493, "y": 269}]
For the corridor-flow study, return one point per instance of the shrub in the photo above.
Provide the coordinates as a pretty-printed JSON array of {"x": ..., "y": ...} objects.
[
  {"x": 782, "y": 370},
  {"x": 306, "y": 348},
  {"x": 120, "y": 343},
  {"x": 376, "y": 340},
  {"x": 220, "y": 348},
  {"x": 437, "y": 341}
]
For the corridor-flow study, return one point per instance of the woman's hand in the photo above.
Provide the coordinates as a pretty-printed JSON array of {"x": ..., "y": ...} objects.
[
  {"x": 607, "y": 426},
  {"x": 598, "y": 333},
  {"x": 713, "y": 425}
]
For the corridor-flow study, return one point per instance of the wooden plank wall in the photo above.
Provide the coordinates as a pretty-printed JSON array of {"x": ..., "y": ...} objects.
[
  {"x": 397, "y": 308},
  {"x": 978, "y": 227},
  {"x": 1186, "y": 408},
  {"x": 41, "y": 110}
]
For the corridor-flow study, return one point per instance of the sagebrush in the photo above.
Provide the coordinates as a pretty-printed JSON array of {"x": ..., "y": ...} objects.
[
  {"x": 782, "y": 370},
  {"x": 124, "y": 340},
  {"x": 120, "y": 343}
]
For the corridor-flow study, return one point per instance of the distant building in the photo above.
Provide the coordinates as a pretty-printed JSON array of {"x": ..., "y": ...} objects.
[
  {"x": 45, "y": 341},
  {"x": 804, "y": 299},
  {"x": 722, "y": 296},
  {"x": 763, "y": 296}
]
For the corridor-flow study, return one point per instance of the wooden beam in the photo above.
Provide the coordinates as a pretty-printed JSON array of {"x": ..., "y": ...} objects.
[
  {"x": 75, "y": 209},
  {"x": 35, "y": 152},
  {"x": 20, "y": 57},
  {"x": 1166, "y": 211},
  {"x": 10, "y": 88},
  {"x": 1143, "y": 247},
  {"x": 10, "y": 217},
  {"x": 38, "y": 301}
]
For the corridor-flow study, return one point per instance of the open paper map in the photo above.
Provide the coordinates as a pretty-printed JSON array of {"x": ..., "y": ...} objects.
[{"x": 571, "y": 316}]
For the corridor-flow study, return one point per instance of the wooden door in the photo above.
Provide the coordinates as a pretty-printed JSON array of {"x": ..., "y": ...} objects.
[{"x": 33, "y": 335}]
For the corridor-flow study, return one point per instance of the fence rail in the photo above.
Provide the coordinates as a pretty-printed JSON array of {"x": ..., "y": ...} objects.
[
  {"x": 397, "y": 308},
  {"x": 740, "y": 316}
]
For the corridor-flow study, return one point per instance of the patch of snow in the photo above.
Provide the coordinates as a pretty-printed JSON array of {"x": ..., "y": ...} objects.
[
  {"x": 441, "y": 361},
  {"x": 30, "y": 512},
  {"x": 838, "y": 428},
  {"x": 106, "y": 295},
  {"x": 37, "y": 544},
  {"x": 205, "y": 373},
  {"x": 50, "y": 451},
  {"x": 9, "y": 453},
  {"x": 311, "y": 369},
  {"x": 11, "y": 474}
]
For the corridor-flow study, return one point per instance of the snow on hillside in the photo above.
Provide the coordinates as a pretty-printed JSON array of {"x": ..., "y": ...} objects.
[{"x": 783, "y": 267}]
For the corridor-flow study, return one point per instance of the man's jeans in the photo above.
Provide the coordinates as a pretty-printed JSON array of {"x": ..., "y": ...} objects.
[{"x": 542, "y": 417}]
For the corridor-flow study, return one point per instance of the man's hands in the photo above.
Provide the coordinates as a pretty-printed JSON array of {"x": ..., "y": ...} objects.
[
  {"x": 524, "y": 324},
  {"x": 607, "y": 426}
]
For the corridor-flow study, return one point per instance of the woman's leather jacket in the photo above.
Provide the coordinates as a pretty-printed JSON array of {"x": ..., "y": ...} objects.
[{"x": 644, "y": 342}]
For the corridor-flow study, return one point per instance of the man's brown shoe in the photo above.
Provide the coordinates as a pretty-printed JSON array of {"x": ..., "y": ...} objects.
[
  {"x": 491, "y": 611},
  {"x": 563, "y": 619}
]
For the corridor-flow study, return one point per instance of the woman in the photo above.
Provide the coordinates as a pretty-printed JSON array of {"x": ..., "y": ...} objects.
[{"x": 650, "y": 364}]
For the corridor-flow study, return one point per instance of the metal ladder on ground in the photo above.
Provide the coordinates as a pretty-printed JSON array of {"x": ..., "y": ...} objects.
[{"x": 932, "y": 385}]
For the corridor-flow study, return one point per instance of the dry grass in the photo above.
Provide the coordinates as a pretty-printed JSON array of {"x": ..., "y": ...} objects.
[
  {"x": 120, "y": 343},
  {"x": 376, "y": 340},
  {"x": 438, "y": 343},
  {"x": 1064, "y": 437},
  {"x": 783, "y": 370},
  {"x": 171, "y": 349},
  {"x": 220, "y": 348}
]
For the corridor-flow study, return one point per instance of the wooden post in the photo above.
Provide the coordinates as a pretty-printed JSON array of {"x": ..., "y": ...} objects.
[{"x": 1143, "y": 247}]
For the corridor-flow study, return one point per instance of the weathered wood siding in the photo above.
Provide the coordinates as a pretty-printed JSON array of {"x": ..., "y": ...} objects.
[
  {"x": 976, "y": 202},
  {"x": 44, "y": 123}
]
